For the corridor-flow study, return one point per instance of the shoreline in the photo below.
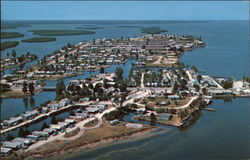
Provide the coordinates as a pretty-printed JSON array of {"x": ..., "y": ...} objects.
[{"x": 94, "y": 145}]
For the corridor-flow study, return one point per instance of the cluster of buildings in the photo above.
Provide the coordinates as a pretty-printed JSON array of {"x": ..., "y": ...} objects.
[
  {"x": 7, "y": 147},
  {"x": 29, "y": 115}
]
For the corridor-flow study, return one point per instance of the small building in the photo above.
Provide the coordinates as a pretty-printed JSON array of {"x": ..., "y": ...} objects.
[
  {"x": 92, "y": 110},
  {"x": 81, "y": 115},
  {"x": 5, "y": 151},
  {"x": 114, "y": 122},
  {"x": 164, "y": 116},
  {"x": 70, "y": 121},
  {"x": 50, "y": 131},
  {"x": 12, "y": 145},
  {"x": 33, "y": 138},
  {"x": 24, "y": 141},
  {"x": 173, "y": 97},
  {"x": 12, "y": 121},
  {"x": 57, "y": 127},
  {"x": 41, "y": 135}
]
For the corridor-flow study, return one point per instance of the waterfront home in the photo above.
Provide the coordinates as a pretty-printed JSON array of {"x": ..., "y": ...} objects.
[
  {"x": 45, "y": 109},
  {"x": 12, "y": 121},
  {"x": 173, "y": 97},
  {"x": 114, "y": 122},
  {"x": 19, "y": 83},
  {"x": 33, "y": 138},
  {"x": 50, "y": 131},
  {"x": 216, "y": 91},
  {"x": 57, "y": 127},
  {"x": 81, "y": 115},
  {"x": 70, "y": 121},
  {"x": 227, "y": 92},
  {"x": 63, "y": 124},
  {"x": 84, "y": 99},
  {"x": 30, "y": 114},
  {"x": 100, "y": 107},
  {"x": 5, "y": 151},
  {"x": 41, "y": 135},
  {"x": 164, "y": 116},
  {"x": 133, "y": 125},
  {"x": 207, "y": 99},
  {"x": 12, "y": 145},
  {"x": 25, "y": 141},
  {"x": 92, "y": 110}
]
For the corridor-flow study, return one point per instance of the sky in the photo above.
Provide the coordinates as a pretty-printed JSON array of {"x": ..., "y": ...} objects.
[{"x": 125, "y": 10}]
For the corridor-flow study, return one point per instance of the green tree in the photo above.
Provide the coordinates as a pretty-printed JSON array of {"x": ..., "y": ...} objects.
[
  {"x": 60, "y": 87},
  {"x": 153, "y": 118},
  {"x": 194, "y": 69},
  {"x": 25, "y": 87},
  {"x": 102, "y": 70},
  {"x": 9, "y": 137},
  {"x": 21, "y": 133},
  {"x": 71, "y": 113},
  {"x": 175, "y": 87},
  {"x": 119, "y": 72},
  {"x": 227, "y": 84},
  {"x": 54, "y": 120},
  {"x": 199, "y": 78},
  {"x": 204, "y": 91},
  {"x": 31, "y": 88},
  {"x": 123, "y": 86},
  {"x": 197, "y": 87},
  {"x": 105, "y": 84},
  {"x": 90, "y": 86}
]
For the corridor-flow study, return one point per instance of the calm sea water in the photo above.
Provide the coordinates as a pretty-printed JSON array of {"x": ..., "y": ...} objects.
[{"x": 220, "y": 135}]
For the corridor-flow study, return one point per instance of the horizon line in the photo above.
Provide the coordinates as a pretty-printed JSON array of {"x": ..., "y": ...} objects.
[{"x": 124, "y": 20}]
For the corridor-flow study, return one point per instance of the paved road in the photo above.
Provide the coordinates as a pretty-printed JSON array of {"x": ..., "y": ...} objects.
[
  {"x": 80, "y": 125},
  {"x": 186, "y": 105},
  {"x": 40, "y": 116}
]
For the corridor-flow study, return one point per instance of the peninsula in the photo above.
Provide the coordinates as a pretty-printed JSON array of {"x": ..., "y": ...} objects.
[{"x": 158, "y": 89}]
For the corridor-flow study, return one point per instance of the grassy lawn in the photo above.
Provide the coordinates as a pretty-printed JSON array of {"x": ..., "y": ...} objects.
[
  {"x": 39, "y": 39},
  {"x": 157, "y": 100},
  {"x": 60, "y": 32},
  {"x": 5, "y": 35},
  {"x": 72, "y": 133},
  {"x": 174, "y": 121},
  {"x": 15, "y": 94},
  {"x": 91, "y": 123}
]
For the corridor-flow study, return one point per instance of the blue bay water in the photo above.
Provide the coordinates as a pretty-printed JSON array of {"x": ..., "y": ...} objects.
[{"x": 220, "y": 135}]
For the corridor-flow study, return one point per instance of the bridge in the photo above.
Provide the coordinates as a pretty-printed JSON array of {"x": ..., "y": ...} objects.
[{"x": 48, "y": 88}]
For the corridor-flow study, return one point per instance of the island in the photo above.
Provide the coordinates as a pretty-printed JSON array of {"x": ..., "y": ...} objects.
[
  {"x": 39, "y": 39},
  {"x": 89, "y": 27},
  {"x": 60, "y": 32},
  {"x": 6, "y": 35},
  {"x": 9, "y": 44},
  {"x": 152, "y": 30}
]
